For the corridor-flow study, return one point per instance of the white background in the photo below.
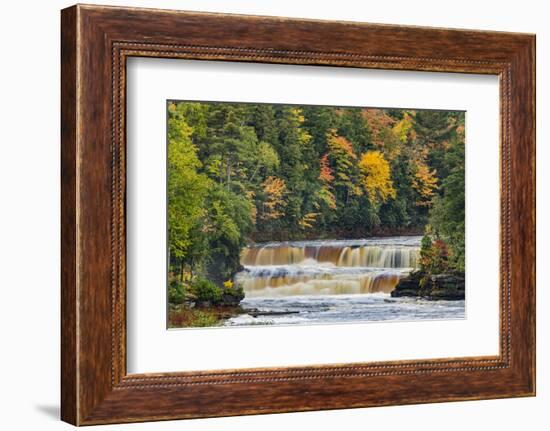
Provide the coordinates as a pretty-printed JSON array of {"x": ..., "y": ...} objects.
[
  {"x": 29, "y": 216},
  {"x": 151, "y": 348}
]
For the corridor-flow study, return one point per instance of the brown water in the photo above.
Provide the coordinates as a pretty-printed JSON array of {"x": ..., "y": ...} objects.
[{"x": 327, "y": 267}]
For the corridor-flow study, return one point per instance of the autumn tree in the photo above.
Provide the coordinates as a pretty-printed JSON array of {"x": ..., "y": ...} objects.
[
  {"x": 326, "y": 177},
  {"x": 404, "y": 129},
  {"x": 376, "y": 177},
  {"x": 239, "y": 173},
  {"x": 274, "y": 190},
  {"x": 344, "y": 164},
  {"x": 383, "y": 136},
  {"x": 424, "y": 181}
]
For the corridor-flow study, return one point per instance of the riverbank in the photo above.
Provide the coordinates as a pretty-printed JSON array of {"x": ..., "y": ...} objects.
[
  {"x": 184, "y": 316},
  {"x": 323, "y": 281},
  {"x": 344, "y": 234},
  {"x": 449, "y": 287}
]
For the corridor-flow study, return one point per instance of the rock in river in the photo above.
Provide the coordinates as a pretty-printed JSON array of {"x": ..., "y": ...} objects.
[{"x": 441, "y": 286}]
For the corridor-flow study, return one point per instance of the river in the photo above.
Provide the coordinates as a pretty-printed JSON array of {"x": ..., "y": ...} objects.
[{"x": 333, "y": 281}]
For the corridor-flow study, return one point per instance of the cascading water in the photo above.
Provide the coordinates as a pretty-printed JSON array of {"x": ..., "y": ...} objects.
[
  {"x": 335, "y": 281},
  {"x": 264, "y": 281},
  {"x": 376, "y": 253},
  {"x": 327, "y": 267}
]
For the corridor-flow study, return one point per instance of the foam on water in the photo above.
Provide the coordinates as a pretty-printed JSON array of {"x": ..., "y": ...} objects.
[
  {"x": 333, "y": 281},
  {"x": 327, "y": 267},
  {"x": 309, "y": 309}
]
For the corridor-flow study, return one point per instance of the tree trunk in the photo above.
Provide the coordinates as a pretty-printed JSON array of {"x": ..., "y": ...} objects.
[
  {"x": 228, "y": 170},
  {"x": 254, "y": 173}
]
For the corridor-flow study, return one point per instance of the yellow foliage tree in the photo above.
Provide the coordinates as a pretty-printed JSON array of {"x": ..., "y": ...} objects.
[
  {"x": 308, "y": 220},
  {"x": 297, "y": 112},
  {"x": 424, "y": 182},
  {"x": 403, "y": 129},
  {"x": 274, "y": 189},
  {"x": 376, "y": 177}
]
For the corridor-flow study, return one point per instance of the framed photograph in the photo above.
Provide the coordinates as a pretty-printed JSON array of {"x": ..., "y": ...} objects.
[{"x": 265, "y": 215}]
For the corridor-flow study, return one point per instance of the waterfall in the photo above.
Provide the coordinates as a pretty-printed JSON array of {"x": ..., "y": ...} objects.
[
  {"x": 327, "y": 267},
  {"x": 280, "y": 283},
  {"x": 365, "y": 255}
]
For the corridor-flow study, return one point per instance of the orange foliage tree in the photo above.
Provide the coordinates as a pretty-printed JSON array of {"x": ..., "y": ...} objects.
[
  {"x": 273, "y": 206},
  {"x": 326, "y": 177}
]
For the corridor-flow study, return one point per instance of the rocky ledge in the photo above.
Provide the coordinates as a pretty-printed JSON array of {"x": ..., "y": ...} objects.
[{"x": 448, "y": 287}]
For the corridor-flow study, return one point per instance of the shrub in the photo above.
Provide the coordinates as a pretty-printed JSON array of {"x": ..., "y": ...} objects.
[
  {"x": 205, "y": 291},
  {"x": 192, "y": 318},
  {"x": 176, "y": 292},
  {"x": 232, "y": 295},
  {"x": 434, "y": 256},
  {"x": 202, "y": 319},
  {"x": 236, "y": 291},
  {"x": 434, "y": 259}
]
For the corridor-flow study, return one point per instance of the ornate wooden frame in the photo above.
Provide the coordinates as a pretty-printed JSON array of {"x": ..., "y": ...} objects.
[{"x": 95, "y": 42}]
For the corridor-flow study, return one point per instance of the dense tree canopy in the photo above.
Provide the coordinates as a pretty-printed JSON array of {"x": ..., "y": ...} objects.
[{"x": 239, "y": 173}]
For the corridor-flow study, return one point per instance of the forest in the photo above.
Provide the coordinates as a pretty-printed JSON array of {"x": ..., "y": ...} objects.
[{"x": 244, "y": 173}]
